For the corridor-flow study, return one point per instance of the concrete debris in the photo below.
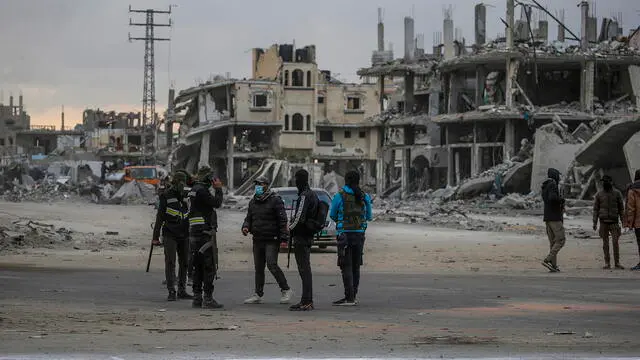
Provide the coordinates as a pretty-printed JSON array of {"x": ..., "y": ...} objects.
[
  {"x": 515, "y": 201},
  {"x": 132, "y": 192}
]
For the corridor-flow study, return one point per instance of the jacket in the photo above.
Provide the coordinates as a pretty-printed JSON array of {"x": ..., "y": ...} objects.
[
  {"x": 553, "y": 201},
  {"x": 171, "y": 216},
  {"x": 337, "y": 212},
  {"x": 608, "y": 206},
  {"x": 266, "y": 218},
  {"x": 202, "y": 205},
  {"x": 306, "y": 208},
  {"x": 632, "y": 212}
]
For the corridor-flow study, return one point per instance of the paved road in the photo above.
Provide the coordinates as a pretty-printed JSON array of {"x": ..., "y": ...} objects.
[{"x": 109, "y": 313}]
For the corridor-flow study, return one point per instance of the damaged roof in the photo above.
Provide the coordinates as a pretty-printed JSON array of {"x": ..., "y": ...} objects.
[
  {"x": 189, "y": 93},
  {"x": 401, "y": 67}
]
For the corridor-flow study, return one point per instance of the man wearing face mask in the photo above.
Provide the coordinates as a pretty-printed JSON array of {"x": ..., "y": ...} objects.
[
  {"x": 266, "y": 220},
  {"x": 171, "y": 218},
  {"x": 302, "y": 233},
  {"x": 608, "y": 207}
]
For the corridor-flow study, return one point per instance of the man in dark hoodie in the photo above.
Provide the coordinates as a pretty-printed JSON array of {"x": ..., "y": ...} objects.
[
  {"x": 608, "y": 207},
  {"x": 203, "y": 225},
  {"x": 632, "y": 212},
  {"x": 266, "y": 220},
  {"x": 302, "y": 233},
  {"x": 553, "y": 218}
]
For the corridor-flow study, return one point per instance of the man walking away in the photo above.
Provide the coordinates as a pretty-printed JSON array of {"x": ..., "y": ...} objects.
[
  {"x": 266, "y": 220},
  {"x": 608, "y": 207},
  {"x": 632, "y": 212},
  {"x": 203, "y": 224},
  {"x": 553, "y": 218},
  {"x": 302, "y": 232},
  {"x": 171, "y": 218},
  {"x": 350, "y": 209}
]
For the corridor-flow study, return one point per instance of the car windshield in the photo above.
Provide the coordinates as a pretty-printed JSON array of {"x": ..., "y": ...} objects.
[
  {"x": 143, "y": 173},
  {"x": 289, "y": 196}
]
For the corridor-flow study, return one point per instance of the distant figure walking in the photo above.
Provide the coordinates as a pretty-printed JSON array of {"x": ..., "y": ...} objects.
[
  {"x": 553, "y": 218},
  {"x": 608, "y": 207},
  {"x": 632, "y": 212}
]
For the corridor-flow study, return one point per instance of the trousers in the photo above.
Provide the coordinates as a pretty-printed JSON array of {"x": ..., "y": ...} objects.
[
  {"x": 614, "y": 230},
  {"x": 349, "y": 261},
  {"x": 557, "y": 239},
  {"x": 204, "y": 263},
  {"x": 266, "y": 253},
  {"x": 302, "y": 250},
  {"x": 175, "y": 245}
]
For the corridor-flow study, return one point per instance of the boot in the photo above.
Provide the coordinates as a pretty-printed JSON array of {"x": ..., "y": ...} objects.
[
  {"x": 197, "y": 301},
  {"x": 211, "y": 303},
  {"x": 172, "y": 296},
  {"x": 184, "y": 295}
]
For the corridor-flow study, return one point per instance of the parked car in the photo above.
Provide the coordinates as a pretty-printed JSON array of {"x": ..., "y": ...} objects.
[{"x": 324, "y": 238}]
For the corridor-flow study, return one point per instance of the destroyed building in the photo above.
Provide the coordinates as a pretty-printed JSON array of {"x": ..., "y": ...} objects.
[
  {"x": 288, "y": 110},
  {"x": 12, "y": 119},
  {"x": 480, "y": 107}
]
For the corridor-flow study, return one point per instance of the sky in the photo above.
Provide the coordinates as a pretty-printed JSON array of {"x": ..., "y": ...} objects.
[{"x": 76, "y": 53}]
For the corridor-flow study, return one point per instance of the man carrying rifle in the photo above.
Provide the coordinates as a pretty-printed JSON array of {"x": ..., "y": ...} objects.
[
  {"x": 302, "y": 236},
  {"x": 203, "y": 224},
  {"x": 171, "y": 218}
]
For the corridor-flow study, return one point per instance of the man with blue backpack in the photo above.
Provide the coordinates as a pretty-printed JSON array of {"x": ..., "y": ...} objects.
[{"x": 350, "y": 209}]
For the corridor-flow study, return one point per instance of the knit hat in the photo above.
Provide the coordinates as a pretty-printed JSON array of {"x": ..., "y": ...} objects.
[{"x": 203, "y": 173}]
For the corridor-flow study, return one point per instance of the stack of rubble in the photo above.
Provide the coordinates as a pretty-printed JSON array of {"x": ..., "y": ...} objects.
[{"x": 32, "y": 234}]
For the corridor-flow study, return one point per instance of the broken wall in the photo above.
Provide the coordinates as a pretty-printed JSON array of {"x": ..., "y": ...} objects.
[
  {"x": 632, "y": 154},
  {"x": 245, "y": 102},
  {"x": 550, "y": 152},
  {"x": 266, "y": 63},
  {"x": 350, "y": 142}
]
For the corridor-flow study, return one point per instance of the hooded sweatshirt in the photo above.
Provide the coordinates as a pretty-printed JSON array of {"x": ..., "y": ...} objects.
[
  {"x": 553, "y": 201},
  {"x": 306, "y": 207},
  {"x": 337, "y": 211}
]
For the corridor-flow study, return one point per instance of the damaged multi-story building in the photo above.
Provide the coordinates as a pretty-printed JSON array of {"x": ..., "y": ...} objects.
[
  {"x": 12, "y": 119},
  {"x": 289, "y": 110},
  {"x": 468, "y": 109}
]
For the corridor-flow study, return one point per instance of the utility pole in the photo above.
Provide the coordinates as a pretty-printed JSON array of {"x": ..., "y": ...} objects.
[{"x": 149, "y": 86}]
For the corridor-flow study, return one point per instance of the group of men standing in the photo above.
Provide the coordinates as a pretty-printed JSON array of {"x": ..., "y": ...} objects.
[
  {"x": 609, "y": 212},
  {"x": 189, "y": 224}
]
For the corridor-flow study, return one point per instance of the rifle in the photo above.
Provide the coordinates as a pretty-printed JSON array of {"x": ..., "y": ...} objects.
[
  {"x": 290, "y": 240},
  {"x": 149, "y": 260}
]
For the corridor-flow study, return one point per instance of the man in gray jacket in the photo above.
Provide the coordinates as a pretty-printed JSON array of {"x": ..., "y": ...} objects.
[{"x": 608, "y": 207}]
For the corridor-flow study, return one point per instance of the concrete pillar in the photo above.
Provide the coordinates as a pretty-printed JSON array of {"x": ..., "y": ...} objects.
[
  {"x": 480, "y": 24},
  {"x": 475, "y": 164},
  {"x": 634, "y": 77},
  {"x": 380, "y": 174},
  {"x": 456, "y": 84},
  {"x": 406, "y": 165},
  {"x": 613, "y": 30},
  {"x": 380, "y": 31},
  {"x": 584, "y": 27},
  {"x": 202, "y": 108},
  {"x": 449, "y": 156},
  {"x": 205, "y": 143},
  {"x": 409, "y": 99},
  {"x": 456, "y": 160},
  {"x": 560, "y": 33},
  {"x": 229, "y": 103},
  {"x": 447, "y": 36},
  {"x": 481, "y": 78},
  {"x": 434, "y": 99},
  {"x": 543, "y": 30},
  {"x": 230, "y": 162},
  {"x": 512, "y": 74},
  {"x": 510, "y": 23},
  {"x": 409, "y": 43},
  {"x": 381, "y": 94},
  {"x": 509, "y": 139},
  {"x": 592, "y": 30},
  {"x": 587, "y": 85}
]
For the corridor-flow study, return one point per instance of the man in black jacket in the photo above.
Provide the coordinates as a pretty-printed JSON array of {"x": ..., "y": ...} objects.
[
  {"x": 203, "y": 225},
  {"x": 266, "y": 220},
  {"x": 302, "y": 233},
  {"x": 553, "y": 218},
  {"x": 171, "y": 218}
]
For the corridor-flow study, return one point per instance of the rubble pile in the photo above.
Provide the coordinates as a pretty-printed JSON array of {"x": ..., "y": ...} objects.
[{"x": 558, "y": 48}]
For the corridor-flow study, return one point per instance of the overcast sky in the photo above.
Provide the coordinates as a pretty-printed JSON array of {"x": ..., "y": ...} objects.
[{"x": 76, "y": 53}]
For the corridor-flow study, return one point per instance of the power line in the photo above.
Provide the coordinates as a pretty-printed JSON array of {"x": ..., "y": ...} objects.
[{"x": 149, "y": 86}]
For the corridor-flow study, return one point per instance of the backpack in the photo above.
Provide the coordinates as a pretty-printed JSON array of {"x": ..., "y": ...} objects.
[{"x": 318, "y": 222}]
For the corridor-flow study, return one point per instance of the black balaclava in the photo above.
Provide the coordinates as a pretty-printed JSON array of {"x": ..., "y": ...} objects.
[
  {"x": 554, "y": 174},
  {"x": 607, "y": 183},
  {"x": 637, "y": 177},
  {"x": 302, "y": 179}
]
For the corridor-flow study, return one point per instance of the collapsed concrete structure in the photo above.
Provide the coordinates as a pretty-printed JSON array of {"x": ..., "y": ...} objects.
[
  {"x": 289, "y": 110},
  {"x": 468, "y": 110}
]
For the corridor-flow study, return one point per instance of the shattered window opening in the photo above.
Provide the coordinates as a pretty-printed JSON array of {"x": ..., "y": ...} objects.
[
  {"x": 326, "y": 136},
  {"x": 260, "y": 100},
  {"x": 286, "y": 78},
  {"x": 362, "y": 134},
  {"x": 286, "y": 122},
  {"x": 347, "y": 134},
  {"x": 320, "y": 99},
  {"x": 353, "y": 103},
  {"x": 297, "y": 123},
  {"x": 308, "y": 122},
  {"x": 297, "y": 78}
]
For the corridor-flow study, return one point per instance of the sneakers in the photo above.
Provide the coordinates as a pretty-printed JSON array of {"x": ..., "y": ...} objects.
[
  {"x": 344, "y": 302},
  {"x": 184, "y": 295},
  {"x": 286, "y": 296},
  {"x": 301, "y": 307},
  {"x": 549, "y": 265},
  {"x": 636, "y": 268},
  {"x": 254, "y": 299},
  {"x": 172, "y": 296},
  {"x": 211, "y": 303}
]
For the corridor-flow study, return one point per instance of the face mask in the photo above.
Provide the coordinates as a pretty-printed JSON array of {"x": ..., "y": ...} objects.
[{"x": 259, "y": 190}]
